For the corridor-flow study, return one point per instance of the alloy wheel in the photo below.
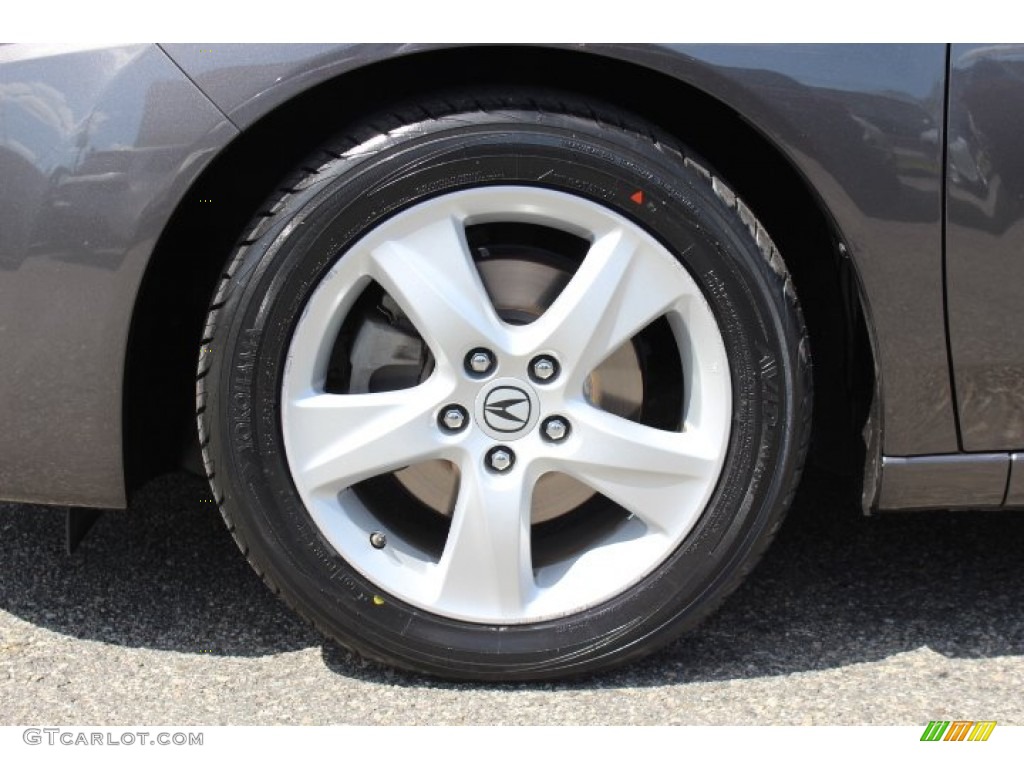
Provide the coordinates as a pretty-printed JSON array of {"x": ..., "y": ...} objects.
[{"x": 506, "y": 401}]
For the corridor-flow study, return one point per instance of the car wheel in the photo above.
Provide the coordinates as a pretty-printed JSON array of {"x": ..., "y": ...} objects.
[{"x": 504, "y": 387}]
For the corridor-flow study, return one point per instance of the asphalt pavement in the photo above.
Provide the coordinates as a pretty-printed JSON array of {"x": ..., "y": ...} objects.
[{"x": 157, "y": 619}]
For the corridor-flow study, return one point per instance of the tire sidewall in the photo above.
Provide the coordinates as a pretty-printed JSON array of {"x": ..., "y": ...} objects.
[{"x": 606, "y": 165}]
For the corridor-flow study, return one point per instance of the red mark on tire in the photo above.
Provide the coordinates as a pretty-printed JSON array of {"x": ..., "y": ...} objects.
[{"x": 637, "y": 197}]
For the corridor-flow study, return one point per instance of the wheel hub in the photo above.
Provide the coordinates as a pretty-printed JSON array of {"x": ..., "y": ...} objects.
[
  {"x": 522, "y": 286},
  {"x": 507, "y": 409}
]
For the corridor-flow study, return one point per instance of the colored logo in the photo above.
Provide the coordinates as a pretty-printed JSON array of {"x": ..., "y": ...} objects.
[
  {"x": 507, "y": 409},
  {"x": 958, "y": 730}
]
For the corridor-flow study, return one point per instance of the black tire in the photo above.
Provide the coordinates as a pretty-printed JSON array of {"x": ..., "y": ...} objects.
[{"x": 416, "y": 153}]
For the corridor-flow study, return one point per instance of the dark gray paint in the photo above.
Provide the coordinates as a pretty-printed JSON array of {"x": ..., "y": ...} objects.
[
  {"x": 985, "y": 243},
  {"x": 932, "y": 482},
  {"x": 96, "y": 148},
  {"x": 248, "y": 81},
  {"x": 862, "y": 122}
]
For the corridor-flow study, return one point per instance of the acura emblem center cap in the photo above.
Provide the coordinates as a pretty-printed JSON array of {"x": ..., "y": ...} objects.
[{"x": 507, "y": 409}]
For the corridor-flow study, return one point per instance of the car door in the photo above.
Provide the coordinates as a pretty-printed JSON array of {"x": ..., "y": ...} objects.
[{"x": 985, "y": 247}]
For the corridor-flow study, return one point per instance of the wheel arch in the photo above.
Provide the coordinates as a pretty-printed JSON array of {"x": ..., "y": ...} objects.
[{"x": 187, "y": 260}]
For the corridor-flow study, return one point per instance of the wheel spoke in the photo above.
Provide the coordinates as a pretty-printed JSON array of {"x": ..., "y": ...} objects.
[
  {"x": 431, "y": 274},
  {"x": 343, "y": 439},
  {"x": 486, "y": 567},
  {"x": 620, "y": 288},
  {"x": 654, "y": 474}
]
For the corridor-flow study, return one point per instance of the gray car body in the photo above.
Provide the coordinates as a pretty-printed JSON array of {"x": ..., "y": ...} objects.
[{"x": 909, "y": 151}]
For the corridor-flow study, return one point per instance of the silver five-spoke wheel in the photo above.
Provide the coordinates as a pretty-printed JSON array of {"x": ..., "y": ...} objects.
[{"x": 508, "y": 408}]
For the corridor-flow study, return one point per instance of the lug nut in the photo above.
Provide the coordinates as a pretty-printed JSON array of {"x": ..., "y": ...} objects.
[
  {"x": 479, "y": 362},
  {"x": 453, "y": 418},
  {"x": 378, "y": 540},
  {"x": 555, "y": 429},
  {"x": 543, "y": 368},
  {"x": 500, "y": 459}
]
